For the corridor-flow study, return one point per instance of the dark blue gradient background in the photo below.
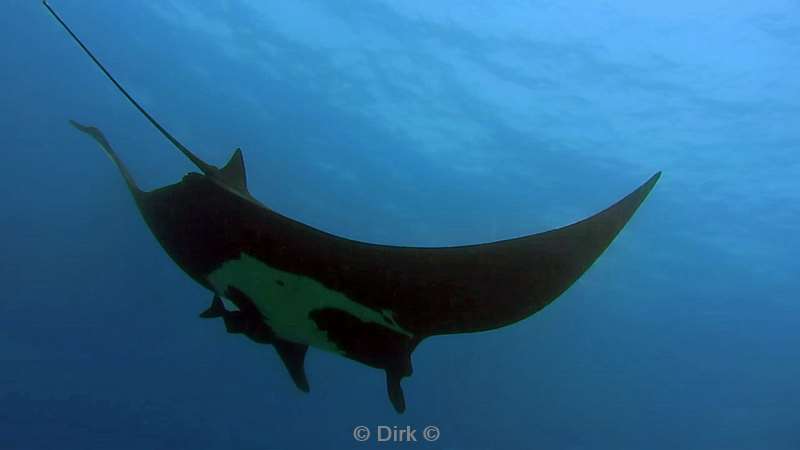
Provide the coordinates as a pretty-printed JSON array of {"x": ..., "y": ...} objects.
[{"x": 419, "y": 123}]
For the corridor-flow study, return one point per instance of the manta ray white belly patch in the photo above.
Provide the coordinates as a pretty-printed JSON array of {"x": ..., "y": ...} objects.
[{"x": 286, "y": 300}]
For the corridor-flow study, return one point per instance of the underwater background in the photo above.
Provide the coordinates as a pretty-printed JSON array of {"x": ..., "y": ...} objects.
[{"x": 413, "y": 123}]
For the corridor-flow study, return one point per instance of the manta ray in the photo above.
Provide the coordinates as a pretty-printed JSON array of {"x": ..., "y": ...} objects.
[{"x": 295, "y": 286}]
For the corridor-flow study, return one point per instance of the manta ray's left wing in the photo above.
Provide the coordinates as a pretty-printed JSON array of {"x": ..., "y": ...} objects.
[{"x": 204, "y": 167}]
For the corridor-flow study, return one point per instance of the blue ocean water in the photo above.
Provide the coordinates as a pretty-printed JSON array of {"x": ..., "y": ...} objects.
[{"x": 416, "y": 123}]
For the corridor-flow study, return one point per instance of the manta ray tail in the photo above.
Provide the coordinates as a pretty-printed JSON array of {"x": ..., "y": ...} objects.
[
  {"x": 98, "y": 136},
  {"x": 202, "y": 165}
]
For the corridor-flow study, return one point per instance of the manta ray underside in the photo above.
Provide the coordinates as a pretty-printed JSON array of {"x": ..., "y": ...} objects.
[{"x": 294, "y": 286}]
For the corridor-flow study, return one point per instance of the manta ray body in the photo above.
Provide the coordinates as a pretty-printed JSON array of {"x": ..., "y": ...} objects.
[{"x": 294, "y": 286}]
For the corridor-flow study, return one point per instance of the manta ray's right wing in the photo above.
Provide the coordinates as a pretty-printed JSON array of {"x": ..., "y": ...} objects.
[{"x": 445, "y": 290}]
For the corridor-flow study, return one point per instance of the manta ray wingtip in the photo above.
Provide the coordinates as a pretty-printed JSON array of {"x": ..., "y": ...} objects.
[
  {"x": 101, "y": 140},
  {"x": 80, "y": 126},
  {"x": 648, "y": 185}
]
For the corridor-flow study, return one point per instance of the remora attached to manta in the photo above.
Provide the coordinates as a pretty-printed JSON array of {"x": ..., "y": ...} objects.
[{"x": 296, "y": 286}]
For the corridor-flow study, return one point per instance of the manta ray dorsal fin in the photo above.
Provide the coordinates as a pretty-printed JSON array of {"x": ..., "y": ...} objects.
[{"x": 233, "y": 174}]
